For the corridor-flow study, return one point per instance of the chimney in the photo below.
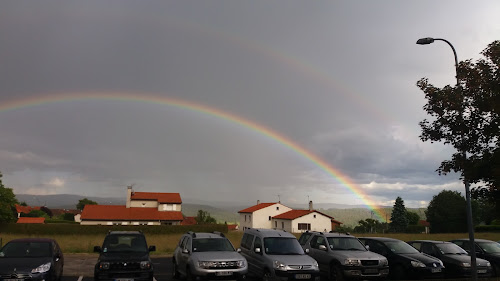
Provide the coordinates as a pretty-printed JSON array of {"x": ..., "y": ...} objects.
[
  {"x": 258, "y": 202},
  {"x": 310, "y": 205},
  {"x": 129, "y": 196}
]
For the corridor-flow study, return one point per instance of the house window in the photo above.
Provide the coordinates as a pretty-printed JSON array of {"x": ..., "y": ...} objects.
[
  {"x": 314, "y": 216},
  {"x": 276, "y": 224},
  {"x": 277, "y": 208},
  {"x": 269, "y": 217},
  {"x": 245, "y": 217},
  {"x": 304, "y": 226},
  {"x": 282, "y": 225}
]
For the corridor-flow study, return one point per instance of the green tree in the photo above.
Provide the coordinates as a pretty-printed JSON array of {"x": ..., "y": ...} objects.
[
  {"x": 68, "y": 217},
  {"x": 23, "y": 204},
  {"x": 82, "y": 202},
  {"x": 369, "y": 226},
  {"x": 467, "y": 116},
  {"x": 203, "y": 217},
  {"x": 399, "y": 219},
  {"x": 413, "y": 217},
  {"x": 35, "y": 214},
  {"x": 446, "y": 213},
  {"x": 7, "y": 203}
]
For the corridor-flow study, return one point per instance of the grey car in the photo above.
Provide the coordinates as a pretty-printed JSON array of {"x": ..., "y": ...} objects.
[
  {"x": 342, "y": 256},
  {"x": 208, "y": 256},
  {"x": 277, "y": 255}
]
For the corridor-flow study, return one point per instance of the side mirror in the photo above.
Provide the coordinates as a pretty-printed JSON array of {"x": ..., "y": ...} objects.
[
  {"x": 257, "y": 250},
  {"x": 238, "y": 250},
  {"x": 306, "y": 250},
  {"x": 185, "y": 251},
  {"x": 322, "y": 247},
  {"x": 152, "y": 248},
  {"x": 97, "y": 249},
  {"x": 367, "y": 247}
]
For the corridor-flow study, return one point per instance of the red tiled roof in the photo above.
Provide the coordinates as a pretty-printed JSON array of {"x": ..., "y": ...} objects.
[
  {"x": 114, "y": 212},
  {"x": 58, "y": 212},
  {"x": 424, "y": 223},
  {"x": 30, "y": 220},
  {"x": 25, "y": 209},
  {"x": 293, "y": 214},
  {"x": 232, "y": 227},
  {"x": 160, "y": 197},
  {"x": 188, "y": 221},
  {"x": 337, "y": 222},
  {"x": 256, "y": 207}
]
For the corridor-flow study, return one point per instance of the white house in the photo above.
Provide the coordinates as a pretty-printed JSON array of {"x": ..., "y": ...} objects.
[{"x": 278, "y": 216}]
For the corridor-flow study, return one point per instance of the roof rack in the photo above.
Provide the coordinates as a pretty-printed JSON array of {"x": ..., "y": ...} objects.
[
  {"x": 219, "y": 233},
  {"x": 192, "y": 234}
]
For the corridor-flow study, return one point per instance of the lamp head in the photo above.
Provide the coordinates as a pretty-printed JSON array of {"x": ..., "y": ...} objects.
[{"x": 425, "y": 41}]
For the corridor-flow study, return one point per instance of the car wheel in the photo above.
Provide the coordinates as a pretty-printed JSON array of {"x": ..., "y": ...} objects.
[
  {"x": 336, "y": 273},
  {"x": 397, "y": 273},
  {"x": 267, "y": 276},
  {"x": 496, "y": 270},
  {"x": 175, "y": 270},
  {"x": 189, "y": 275}
]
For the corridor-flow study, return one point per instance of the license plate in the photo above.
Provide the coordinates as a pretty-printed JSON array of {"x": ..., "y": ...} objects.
[
  {"x": 481, "y": 271},
  {"x": 302, "y": 276},
  {"x": 434, "y": 270},
  {"x": 124, "y": 279},
  {"x": 371, "y": 271},
  {"x": 223, "y": 273},
  {"x": 13, "y": 279}
]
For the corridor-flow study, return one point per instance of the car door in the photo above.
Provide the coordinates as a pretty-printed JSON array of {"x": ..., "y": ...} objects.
[
  {"x": 247, "y": 252},
  {"x": 184, "y": 254},
  {"x": 318, "y": 250},
  {"x": 58, "y": 259},
  {"x": 258, "y": 256}
]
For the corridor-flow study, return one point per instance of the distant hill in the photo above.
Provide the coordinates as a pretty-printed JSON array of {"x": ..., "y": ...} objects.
[{"x": 223, "y": 212}]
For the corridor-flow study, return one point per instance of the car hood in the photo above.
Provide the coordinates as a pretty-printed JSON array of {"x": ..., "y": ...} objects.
[
  {"x": 217, "y": 256},
  {"x": 126, "y": 256},
  {"x": 456, "y": 259},
  {"x": 494, "y": 256},
  {"x": 21, "y": 265},
  {"x": 362, "y": 255},
  {"x": 293, "y": 259},
  {"x": 421, "y": 258}
]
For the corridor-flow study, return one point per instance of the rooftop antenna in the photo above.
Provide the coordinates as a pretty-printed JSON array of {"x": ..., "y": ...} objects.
[{"x": 279, "y": 199}]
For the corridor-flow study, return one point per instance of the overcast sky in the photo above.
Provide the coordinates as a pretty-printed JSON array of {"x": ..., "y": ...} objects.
[{"x": 336, "y": 77}]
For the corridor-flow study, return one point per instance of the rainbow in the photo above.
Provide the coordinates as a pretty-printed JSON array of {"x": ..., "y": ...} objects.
[{"x": 188, "y": 105}]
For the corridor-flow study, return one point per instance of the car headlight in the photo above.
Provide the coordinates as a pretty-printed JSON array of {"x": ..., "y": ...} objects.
[
  {"x": 240, "y": 264},
  {"x": 104, "y": 265},
  {"x": 384, "y": 262},
  {"x": 206, "y": 264},
  {"x": 42, "y": 268},
  {"x": 465, "y": 264},
  {"x": 352, "y": 262},
  {"x": 417, "y": 264},
  {"x": 315, "y": 265},
  {"x": 279, "y": 265},
  {"x": 488, "y": 264},
  {"x": 145, "y": 265}
]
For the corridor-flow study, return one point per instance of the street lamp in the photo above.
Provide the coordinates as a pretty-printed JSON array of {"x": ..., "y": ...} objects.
[{"x": 426, "y": 41}]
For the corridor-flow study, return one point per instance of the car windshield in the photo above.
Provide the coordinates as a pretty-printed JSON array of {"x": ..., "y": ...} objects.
[
  {"x": 450, "y": 248},
  {"x": 124, "y": 243},
  {"x": 490, "y": 247},
  {"x": 345, "y": 243},
  {"x": 212, "y": 245},
  {"x": 400, "y": 247},
  {"x": 282, "y": 246},
  {"x": 26, "y": 250}
]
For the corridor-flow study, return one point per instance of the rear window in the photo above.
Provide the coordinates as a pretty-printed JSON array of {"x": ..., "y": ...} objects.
[
  {"x": 246, "y": 241},
  {"x": 124, "y": 243}
]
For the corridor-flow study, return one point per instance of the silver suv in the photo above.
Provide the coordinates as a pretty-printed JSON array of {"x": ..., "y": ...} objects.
[
  {"x": 208, "y": 256},
  {"x": 276, "y": 255},
  {"x": 342, "y": 256}
]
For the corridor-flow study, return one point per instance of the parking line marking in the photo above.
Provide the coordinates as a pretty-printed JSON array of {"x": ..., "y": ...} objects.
[{"x": 80, "y": 278}]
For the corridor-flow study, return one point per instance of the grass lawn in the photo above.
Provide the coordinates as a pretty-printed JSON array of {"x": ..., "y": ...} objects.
[{"x": 165, "y": 244}]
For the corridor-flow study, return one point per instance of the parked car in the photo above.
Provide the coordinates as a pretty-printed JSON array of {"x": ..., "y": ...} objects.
[
  {"x": 405, "y": 262},
  {"x": 276, "y": 255},
  {"x": 200, "y": 255},
  {"x": 342, "y": 256},
  {"x": 455, "y": 259},
  {"x": 34, "y": 259},
  {"x": 124, "y": 256},
  {"x": 485, "y": 249}
]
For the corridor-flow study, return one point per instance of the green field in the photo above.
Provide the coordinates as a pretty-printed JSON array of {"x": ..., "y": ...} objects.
[{"x": 165, "y": 243}]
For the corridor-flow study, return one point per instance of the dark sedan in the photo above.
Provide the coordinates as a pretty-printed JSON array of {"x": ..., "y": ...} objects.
[
  {"x": 485, "y": 249},
  {"x": 405, "y": 262},
  {"x": 455, "y": 259},
  {"x": 33, "y": 259}
]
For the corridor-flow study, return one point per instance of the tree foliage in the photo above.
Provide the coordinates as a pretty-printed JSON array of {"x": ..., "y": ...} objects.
[
  {"x": 35, "y": 214},
  {"x": 82, "y": 202},
  {"x": 203, "y": 217},
  {"x": 413, "y": 217},
  {"x": 399, "y": 218},
  {"x": 7, "y": 203},
  {"x": 467, "y": 116},
  {"x": 446, "y": 213},
  {"x": 370, "y": 226}
]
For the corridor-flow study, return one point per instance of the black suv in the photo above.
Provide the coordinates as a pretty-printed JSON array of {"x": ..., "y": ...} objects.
[
  {"x": 124, "y": 256},
  {"x": 485, "y": 249}
]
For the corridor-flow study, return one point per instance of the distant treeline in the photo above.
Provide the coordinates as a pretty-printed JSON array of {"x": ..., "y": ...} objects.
[{"x": 351, "y": 217}]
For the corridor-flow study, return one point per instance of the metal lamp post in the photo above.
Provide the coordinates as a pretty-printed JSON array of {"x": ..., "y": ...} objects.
[{"x": 426, "y": 41}]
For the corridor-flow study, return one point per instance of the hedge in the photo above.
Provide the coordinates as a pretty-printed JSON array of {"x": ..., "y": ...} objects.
[
  {"x": 415, "y": 229},
  {"x": 487, "y": 228},
  {"x": 72, "y": 229}
]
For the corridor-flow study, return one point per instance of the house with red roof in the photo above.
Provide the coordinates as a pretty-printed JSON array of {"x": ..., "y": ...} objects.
[
  {"x": 30, "y": 220},
  {"x": 141, "y": 208},
  {"x": 25, "y": 209},
  {"x": 274, "y": 216}
]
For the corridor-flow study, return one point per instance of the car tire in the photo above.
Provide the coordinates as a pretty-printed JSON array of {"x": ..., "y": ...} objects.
[
  {"x": 336, "y": 273},
  {"x": 189, "y": 275},
  {"x": 175, "y": 270},
  {"x": 267, "y": 276},
  {"x": 397, "y": 273}
]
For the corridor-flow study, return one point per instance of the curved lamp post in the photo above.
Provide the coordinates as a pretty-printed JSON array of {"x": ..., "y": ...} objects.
[{"x": 426, "y": 41}]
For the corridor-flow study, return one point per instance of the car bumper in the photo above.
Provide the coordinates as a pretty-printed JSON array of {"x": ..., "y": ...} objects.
[
  {"x": 46, "y": 276},
  {"x": 297, "y": 275},
  {"x": 124, "y": 275},
  {"x": 426, "y": 272},
  {"x": 366, "y": 273},
  {"x": 467, "y": 271},
  {"x": 220, "y": 274}
]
